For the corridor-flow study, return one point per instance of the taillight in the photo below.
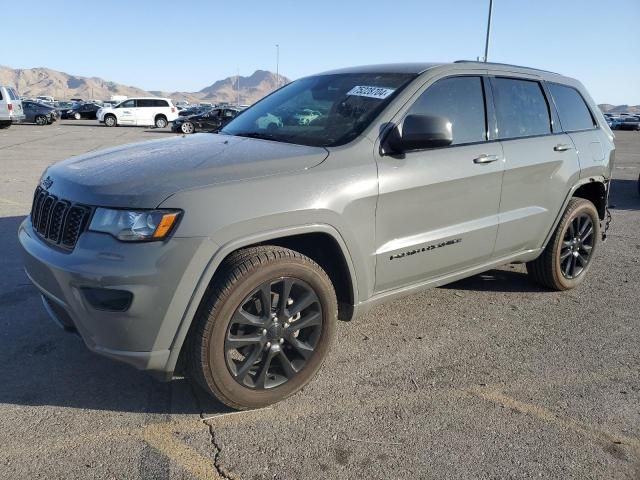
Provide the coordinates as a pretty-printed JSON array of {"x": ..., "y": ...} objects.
[
  {"x": 10, "y": 107},
  {"x": 173, "y": 109}
]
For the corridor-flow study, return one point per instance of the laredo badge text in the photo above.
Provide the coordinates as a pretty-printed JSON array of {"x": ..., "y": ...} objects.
[{"x": 425, "y": 249}]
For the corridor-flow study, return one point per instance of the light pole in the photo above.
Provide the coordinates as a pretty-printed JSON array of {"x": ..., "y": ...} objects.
[
  {"x": 486, "y": 43},
  {"x": 277, "y": 66}
]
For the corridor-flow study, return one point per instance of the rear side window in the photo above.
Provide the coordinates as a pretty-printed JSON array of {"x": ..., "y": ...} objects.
[
  {"x": 160, "y": 103},
  {"x": 572, "y": 109},
  {"x": 144, "y": 103},
  {"x": 0, "y": 94},
  {"x": 521, "y": 108},
  {"x": 461, "y": 100}
]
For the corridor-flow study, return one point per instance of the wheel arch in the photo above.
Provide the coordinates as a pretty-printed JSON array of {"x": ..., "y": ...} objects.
[
  {"x": 589, "y": 188},
  {"x": 319, "y": 242}
]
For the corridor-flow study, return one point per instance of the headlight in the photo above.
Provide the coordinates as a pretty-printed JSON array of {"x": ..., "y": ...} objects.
[{"x": 134, "y": 225}]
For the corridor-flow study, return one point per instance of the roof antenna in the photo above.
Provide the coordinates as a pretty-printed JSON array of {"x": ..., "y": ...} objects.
[{"x": 486, "y": 43}]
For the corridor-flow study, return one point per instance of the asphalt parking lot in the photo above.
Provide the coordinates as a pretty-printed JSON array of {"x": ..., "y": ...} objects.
[{"x": 490, "y": 377}]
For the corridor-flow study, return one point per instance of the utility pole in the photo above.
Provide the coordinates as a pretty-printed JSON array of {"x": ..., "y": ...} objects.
[
  {"x": 486, "y": 43},
  {"x": 277, "y": 66}
]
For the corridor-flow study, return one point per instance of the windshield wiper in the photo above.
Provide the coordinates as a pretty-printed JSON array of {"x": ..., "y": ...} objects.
[{"x": 262, "y": 136}]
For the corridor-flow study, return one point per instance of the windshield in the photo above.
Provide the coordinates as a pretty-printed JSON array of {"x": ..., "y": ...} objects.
[{"x": 324, "y": 110}]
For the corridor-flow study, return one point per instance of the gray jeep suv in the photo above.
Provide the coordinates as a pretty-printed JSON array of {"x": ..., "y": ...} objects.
[{"x": 230, "y": 256}]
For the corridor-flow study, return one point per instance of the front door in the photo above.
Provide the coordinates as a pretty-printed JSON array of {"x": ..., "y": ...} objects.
[
  {"x": 438, "y": 209},
  {"x": 127, "y": 114}
]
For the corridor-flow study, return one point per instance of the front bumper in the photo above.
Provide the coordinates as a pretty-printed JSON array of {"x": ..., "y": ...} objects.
[{"x": 161, "y": 276}]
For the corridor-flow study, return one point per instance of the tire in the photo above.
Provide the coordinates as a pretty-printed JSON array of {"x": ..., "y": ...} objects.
[
  {"x": 4, "y": 125},
  {"x": 161, "y": 121},
  {"x": 77, "y": 116},
  {"x": 110, "y": 120},
  {"x": 187, "y": 128},
  {"x": 40, "y": 120},
  {"x": 567, "y": 257},
  {"x": 235, "y": 296}
]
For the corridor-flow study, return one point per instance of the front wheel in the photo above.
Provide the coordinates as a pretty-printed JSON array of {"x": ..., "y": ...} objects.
[
  {"x": 110, "y": 121},
  {"x": 265, "y": 328},
  {"x": 41, "y": 120},
  {"x": 187, "y": 127},
  {"x": 77, "y": 116},
  {"x": 566, "y": 259}
]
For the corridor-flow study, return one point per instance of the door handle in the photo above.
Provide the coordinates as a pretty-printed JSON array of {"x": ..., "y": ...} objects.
[
  {"x": 562, "y": 147},
  {"x": 484, "y": 158}
]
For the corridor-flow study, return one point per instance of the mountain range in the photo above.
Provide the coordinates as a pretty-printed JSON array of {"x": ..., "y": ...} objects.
[
  {"x": 31, "y": 82},
  {"x": 608, "y": 108}
]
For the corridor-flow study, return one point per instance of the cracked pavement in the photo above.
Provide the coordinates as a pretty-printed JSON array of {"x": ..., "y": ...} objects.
[{"x": 488, "y": 377}]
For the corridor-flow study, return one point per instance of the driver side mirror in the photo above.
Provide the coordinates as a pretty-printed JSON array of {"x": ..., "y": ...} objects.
[{"x": 420, "y": 132}]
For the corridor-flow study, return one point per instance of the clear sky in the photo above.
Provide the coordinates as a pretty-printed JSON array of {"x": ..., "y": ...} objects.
[{"x": 188, "y": 44}]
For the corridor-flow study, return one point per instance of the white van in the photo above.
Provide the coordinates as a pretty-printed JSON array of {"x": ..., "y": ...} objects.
[
  {"x": 146, "y": 111},
  {"x": 10, "y": 107}
]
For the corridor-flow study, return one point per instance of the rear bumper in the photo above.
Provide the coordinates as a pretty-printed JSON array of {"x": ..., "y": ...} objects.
[{"x": 161, "y": 277}]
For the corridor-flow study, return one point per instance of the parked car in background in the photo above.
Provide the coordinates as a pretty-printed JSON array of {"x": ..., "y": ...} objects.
[
  {"x": 82, "y": 111},
  {"x": 629, "y": 123},
  {"x": 306, "y": 116},
  {"x": 210, "y": 121},
  {"x": 193, "y": 110},
  {"x": 146, "y": 111},
  {"x": 10, "y": 107},
  {"x": 38, "y": 113}
]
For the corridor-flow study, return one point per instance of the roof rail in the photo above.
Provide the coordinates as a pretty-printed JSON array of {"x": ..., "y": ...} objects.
[{"x": 505, "y": 65}]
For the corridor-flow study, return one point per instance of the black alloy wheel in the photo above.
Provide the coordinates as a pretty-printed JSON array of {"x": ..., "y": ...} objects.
[
  {"x": 273, "y": 333},
  {"x": 577, "y": 246}
]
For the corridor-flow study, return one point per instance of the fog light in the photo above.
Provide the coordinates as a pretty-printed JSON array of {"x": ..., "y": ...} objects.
[{"x": 108, "y": 299}]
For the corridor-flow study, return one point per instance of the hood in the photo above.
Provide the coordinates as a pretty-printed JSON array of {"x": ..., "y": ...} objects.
[{"x": 143, "y": 175}]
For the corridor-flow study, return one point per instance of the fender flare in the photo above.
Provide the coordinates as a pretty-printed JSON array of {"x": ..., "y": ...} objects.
[
  {"x": 576, "y": 186},
  {"x": 222, "y": 252}
]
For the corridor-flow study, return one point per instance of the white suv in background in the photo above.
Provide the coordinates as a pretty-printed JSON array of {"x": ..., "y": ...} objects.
[
  {"x": 10, "y": 107},
  {"x": 144, "y": 111}
]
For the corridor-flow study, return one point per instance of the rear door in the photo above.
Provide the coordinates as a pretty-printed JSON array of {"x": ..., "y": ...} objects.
[
  {"x": 437, "y": 209},
  {"x": 540, "y": 161},
  {"x": 579, "y": 122},
  {"x": 144, "y": 111},
  {"x": 127, "y": 113}
]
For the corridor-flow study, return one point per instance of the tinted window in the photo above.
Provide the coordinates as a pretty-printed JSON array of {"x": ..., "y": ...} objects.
[
  {"x": 144, "y": 103},
  {"x": 521, "y": 108},
  {"x": 160, "y": 103},
  {"x": 0, "y": 94},
  {"x": 128, "y": 104},
  {"x": 461, "y": 100},
  {"x": 573, "y": 112}
]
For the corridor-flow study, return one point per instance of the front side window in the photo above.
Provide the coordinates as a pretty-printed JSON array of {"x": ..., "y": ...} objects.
[
  {"x": 461, "y": 101},
  {"x": 572, "y": 109},
  {"x": 344, "y": 105},
  {"x": 521, "y": 108}
]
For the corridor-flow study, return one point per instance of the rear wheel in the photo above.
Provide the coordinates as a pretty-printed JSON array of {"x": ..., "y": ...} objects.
[
  {"x": 264, "y": 329},
  {"x": 110, "y": 121},
  {"x": 567, "y": 257},
  {"x": 41, "y": 120},
  {"x": 161, "y": 121},
  {"x": 5, "y": 125}
]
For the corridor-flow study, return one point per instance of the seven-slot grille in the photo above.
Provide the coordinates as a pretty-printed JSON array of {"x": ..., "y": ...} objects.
[{"x": 58, "y": 221}]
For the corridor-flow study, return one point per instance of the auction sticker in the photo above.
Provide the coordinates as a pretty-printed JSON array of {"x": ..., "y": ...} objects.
[{"x": 371, "y": 92}]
